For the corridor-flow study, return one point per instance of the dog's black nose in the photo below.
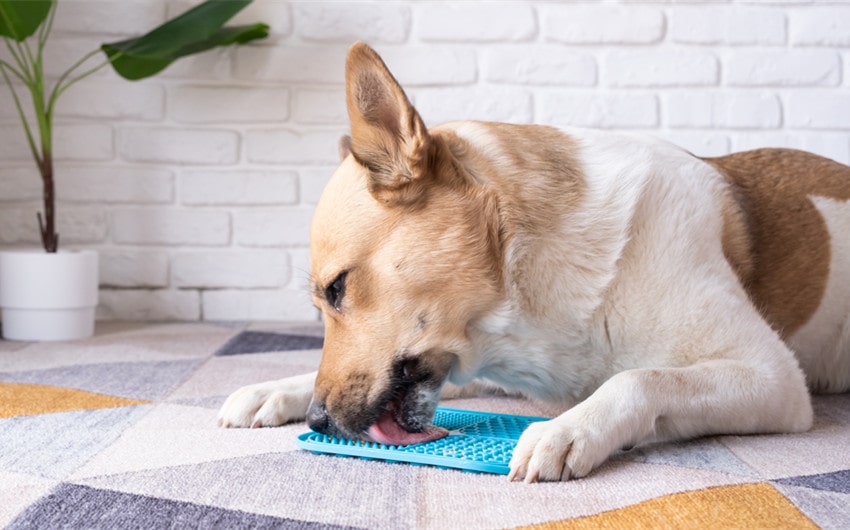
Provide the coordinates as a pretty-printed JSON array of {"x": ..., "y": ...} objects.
[{"x": 317, "y": 417}]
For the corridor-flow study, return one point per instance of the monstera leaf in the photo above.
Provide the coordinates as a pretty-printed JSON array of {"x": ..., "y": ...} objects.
[
  {"x": 196, "y": 30},
  {"x": 20, "y": 18}
]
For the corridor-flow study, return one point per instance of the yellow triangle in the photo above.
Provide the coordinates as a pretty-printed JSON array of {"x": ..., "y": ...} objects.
[
  {"x": 740, "y": 506},
  {"x": 17, "y": 399}
]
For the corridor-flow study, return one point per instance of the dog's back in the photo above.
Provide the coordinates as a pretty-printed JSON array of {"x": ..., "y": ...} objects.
[
  {"x": 788, "y": 237},
  {"x": 572, "y": 266}
]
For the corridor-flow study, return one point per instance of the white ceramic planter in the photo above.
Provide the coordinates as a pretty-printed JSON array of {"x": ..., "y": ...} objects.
[{"x": 47, "y": 297}]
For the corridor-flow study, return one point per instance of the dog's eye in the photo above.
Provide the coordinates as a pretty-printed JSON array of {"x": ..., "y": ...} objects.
[{"x": 335, "y": 291}]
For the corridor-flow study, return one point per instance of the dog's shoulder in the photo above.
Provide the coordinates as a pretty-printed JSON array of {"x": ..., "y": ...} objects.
[{"x": 575, "y": 202}]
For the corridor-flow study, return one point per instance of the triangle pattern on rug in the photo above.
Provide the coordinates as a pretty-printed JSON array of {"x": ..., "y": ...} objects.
[
  {"x": 23, "y": 399},
  {"x": 75, "y": 506},
  {"x": 838, "y": 481},
  {"x": 139, "y": 380},
  {"x": 757, "y": 505},
  {"x": 335, "y": 495},
  {"x": 704, "y": 453},
  {"x": 826, "y": 508},
  {"x": 263, "y": 342},
  {"x": 55, "y": 445}
]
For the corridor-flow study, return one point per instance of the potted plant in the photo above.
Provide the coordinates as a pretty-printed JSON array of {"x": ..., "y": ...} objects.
[{"x": 52, "y": 295}]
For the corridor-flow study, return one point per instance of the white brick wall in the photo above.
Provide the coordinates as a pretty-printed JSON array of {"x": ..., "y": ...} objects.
[
  {"x": 197, "y": 186},
  {"x": 585, "y": 23}
]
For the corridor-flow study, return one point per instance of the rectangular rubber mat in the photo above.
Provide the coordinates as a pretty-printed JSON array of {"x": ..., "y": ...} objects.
[{"x": 478, "y": 441}]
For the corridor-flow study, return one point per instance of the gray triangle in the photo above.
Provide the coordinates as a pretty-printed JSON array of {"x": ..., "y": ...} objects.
[
  {"x": 138, "y": 380},
  {"x": 826, "y": 508},
  {"x": 75, "y": 506},
  {"x": 837, "y": 481},
  {"x": 329, "y": 489},
  {"x": 703, "y": 453},
  {"x": 55, "y": 445},
  {"x": 262, "y": 342}
]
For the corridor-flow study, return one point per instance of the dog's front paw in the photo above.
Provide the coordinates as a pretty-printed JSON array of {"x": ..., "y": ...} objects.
[
  {"x": 268, "y": 404},
  {"x": 556, "y": 450}
]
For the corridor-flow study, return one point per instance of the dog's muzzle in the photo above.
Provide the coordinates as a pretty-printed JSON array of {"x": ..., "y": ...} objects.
[{"x": 402, "y": 416}]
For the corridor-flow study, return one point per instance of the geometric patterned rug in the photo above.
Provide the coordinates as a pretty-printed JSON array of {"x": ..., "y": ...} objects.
[{"x": 119, "y": 431}]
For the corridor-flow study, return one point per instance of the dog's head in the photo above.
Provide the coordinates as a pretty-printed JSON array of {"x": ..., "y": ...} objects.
[{"x": 405, "y": 253}]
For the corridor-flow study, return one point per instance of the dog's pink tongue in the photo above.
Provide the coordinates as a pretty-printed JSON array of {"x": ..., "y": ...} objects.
[{"x": 388, "y": 432}]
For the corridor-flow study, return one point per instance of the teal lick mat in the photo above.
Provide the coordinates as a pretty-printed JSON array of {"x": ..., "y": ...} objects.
[{"x": 477, "y": 441}]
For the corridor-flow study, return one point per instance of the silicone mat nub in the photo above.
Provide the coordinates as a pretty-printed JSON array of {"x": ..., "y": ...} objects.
[{"x": 477, "y": 441}]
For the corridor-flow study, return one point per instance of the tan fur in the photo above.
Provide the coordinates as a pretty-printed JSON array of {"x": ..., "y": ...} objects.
[
  {"x": 526, "y": 207},
  {"x": 786, "y": 266},
  {"x": 353, "y": 338},
  {"x": 380, "y": 114},
  {"x": 652, "y": 294}
]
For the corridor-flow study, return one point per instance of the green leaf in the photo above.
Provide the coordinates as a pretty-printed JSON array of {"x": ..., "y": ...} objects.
[
  {"x": 195, "y": 31},
  {"x": 20, "y": 18}
]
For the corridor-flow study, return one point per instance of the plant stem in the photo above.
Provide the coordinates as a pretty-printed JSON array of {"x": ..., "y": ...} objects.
[
  {"x": 27, "y": 130},
  {"x": 44, "y": 29},
  {"x": 18, "y": 60},
  {"x": 19, "y": 75},
  {"x": 49, "y": 237},
  {"x": 43, "y": 115},
  {"x": 22, "y": 57},
  {"x": 31, "y": 73},
  {"x": 59, "y": 88}
]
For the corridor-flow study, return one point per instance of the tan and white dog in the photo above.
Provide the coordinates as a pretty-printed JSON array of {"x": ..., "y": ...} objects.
[{"x": 669, "y": 296}]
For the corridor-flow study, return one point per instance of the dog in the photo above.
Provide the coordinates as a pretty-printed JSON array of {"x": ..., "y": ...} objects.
[{"x": 654, "y": 294}]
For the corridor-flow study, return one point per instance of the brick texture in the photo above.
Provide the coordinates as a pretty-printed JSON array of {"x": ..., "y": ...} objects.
[
  {"x": 602, "y": 24},
  {"x": 465, "y": 22},
  {"x": 718, "y": 25},
  {"x": 197, "y": 186}
]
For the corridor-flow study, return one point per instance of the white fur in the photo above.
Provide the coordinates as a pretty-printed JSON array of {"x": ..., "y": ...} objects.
[
  {"x": 823, "y": 343},
  {"x": 643, "y": 318},
  {"x": 633, "y": 312},
  {"x": 617, "y": 297},
  {"x": 268, "y": 404},
  {"x": 585, "y": 249}
]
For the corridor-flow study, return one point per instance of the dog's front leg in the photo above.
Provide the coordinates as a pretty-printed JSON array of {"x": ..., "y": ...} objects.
[
  {"x": 721, "y": 396},
  {"x": 268, "y": 404}
]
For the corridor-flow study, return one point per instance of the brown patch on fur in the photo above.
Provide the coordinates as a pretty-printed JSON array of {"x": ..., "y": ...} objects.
[
  {"x": 774, "y": 237},
  {"x": 736, "y": 237}
]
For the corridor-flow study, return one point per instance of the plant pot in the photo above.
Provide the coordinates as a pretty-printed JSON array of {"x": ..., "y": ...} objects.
[{"x": 47, "y": 297}]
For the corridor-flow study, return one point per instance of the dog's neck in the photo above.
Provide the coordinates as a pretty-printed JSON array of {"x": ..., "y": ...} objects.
[
  {"x": 579, "y": 190},
  {"x": 555, "y": 286}
]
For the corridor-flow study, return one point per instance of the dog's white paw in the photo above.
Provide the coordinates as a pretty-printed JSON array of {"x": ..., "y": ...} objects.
[
  {"x": 555, "y": 450},
  {"x": 268, "y": 404}
]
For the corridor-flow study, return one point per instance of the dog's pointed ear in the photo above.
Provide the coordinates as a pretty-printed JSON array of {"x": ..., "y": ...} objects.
[{"x": 387, "y": 135}]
